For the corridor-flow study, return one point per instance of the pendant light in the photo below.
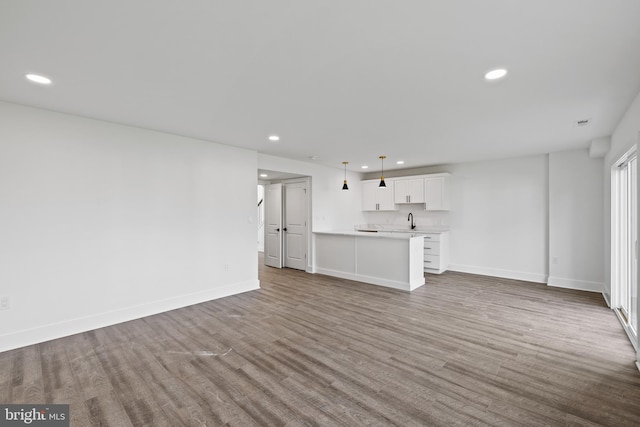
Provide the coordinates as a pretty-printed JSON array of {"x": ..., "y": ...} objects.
[
  {"x": 382, "y": 184},
  {"x": 344, "y": 186}
]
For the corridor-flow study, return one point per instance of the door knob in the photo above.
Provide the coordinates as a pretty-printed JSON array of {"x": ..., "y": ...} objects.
[{"x": 277, "y": 229}]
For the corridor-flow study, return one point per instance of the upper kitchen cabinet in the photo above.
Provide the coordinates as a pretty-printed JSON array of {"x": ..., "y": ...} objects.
[
  {"x": 436, "y": 192},
  {"x": 409, "y": 190},
  {"x": 375, "y": 198}
]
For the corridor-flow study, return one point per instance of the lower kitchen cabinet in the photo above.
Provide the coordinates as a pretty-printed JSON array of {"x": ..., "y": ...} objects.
[{"x": 436, "y": 252}]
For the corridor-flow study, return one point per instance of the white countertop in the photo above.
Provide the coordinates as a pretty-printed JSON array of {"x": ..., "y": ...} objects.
[
  {"x": 380, "y": 234},
  {"x": 391, "y": 229}
]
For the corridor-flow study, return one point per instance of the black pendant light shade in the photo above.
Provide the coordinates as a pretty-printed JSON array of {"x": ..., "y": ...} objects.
[
  {"x": 345, "y": 186},
  {"x": 382, "y": 183}
]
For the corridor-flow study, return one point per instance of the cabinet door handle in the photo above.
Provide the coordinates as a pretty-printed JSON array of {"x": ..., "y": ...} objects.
[
  {"x": 277, "y": 229},
  {"x": 425, "y": 248},
  {"x": 428, "y": 262},
  {"x": 409, "y": 199},
  {"x": 284, "y": 229}
]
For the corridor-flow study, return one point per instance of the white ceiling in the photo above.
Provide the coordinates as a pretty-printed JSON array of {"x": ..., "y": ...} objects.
[{"x": 340, "y": 80}]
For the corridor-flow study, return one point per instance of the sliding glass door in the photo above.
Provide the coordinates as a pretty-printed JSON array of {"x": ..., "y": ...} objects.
[{"x": 625, "y": 239}]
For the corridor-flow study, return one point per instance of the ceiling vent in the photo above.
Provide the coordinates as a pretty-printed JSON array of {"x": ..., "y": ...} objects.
[{"x": 582, "y": 122}]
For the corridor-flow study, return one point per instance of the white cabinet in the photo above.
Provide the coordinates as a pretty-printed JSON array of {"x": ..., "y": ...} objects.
[
  {"x": 409, "y": 190},
  {"x": 432, "y": 190},
  {"x": 436, "y": 252},
  {"x": 436, "y": 193},
  {"x": 375, "y": 198}
]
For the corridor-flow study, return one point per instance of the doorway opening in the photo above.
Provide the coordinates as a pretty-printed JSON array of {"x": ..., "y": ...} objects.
[
  {"x": 624, "y": 241},
  {"x": 287, "y": 221}
]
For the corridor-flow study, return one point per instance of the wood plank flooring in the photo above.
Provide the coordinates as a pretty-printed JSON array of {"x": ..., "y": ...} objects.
[{"x": 310, "y": 350}]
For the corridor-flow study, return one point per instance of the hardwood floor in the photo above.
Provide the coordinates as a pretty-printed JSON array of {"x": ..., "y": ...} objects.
[{"x": 313, "y": 350}]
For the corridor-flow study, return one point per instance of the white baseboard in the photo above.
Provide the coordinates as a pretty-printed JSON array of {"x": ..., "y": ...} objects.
[
  {"x": 74, "y": 326},
  {"x": 580, "y": 285},
  {"x": 495, "y": 272}
]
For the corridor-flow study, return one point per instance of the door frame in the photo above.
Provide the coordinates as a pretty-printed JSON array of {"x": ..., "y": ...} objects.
[{"x": 289, "y": 189}]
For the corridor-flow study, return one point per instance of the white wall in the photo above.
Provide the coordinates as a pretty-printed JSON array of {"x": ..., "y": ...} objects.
[
  {"x": 260, "y": 213},
  {"x": 499, "y": 221},
  {"x": 103, "y": 223},
  {"x": 576, "y": 238}
]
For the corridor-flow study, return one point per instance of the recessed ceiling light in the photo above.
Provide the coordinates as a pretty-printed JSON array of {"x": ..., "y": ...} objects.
[
  {"x": 496, "y": 74},
  {"x": 364, "y": 167},
  {"x": 263, "y": 175},
  {"x": 274, "y": 138},
  {"x": 314, "y": 157},
  {"x": 400, "y": 162},
  {"x": 36, "y": 78}
]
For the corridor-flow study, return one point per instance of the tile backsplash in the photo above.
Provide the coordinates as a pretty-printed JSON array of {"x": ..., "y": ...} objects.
[{"x": 398, "y": 219}]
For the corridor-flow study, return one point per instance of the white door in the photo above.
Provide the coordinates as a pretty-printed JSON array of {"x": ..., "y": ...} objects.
[
  {"x": 273, "y": 226},
  {"x": 295, "y": 229}
]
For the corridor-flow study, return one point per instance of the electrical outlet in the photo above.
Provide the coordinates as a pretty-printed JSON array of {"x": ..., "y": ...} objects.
[
  {"x": 226, "y": 267},
  {"x": 4, "y": 303}
]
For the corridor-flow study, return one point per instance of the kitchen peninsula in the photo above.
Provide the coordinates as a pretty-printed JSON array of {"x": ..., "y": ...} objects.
[{"x": 394, "y": 260}]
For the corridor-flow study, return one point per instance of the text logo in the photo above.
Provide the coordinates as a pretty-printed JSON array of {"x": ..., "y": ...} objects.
[{"x": 34, "y": 415}]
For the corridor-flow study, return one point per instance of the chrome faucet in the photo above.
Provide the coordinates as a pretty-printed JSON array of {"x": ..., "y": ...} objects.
[{"x": 410, "y": 218}]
